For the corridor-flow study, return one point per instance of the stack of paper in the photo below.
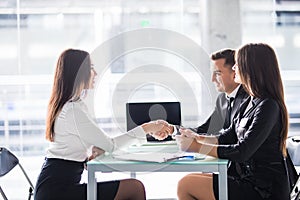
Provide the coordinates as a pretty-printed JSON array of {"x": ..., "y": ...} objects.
[
  {"x": 157, "y": 152},
  {"x": 150, "y": 156},
  {"x": 168, "y": 146}
]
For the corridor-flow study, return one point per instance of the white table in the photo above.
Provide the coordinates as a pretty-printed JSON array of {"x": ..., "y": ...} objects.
[{"x": 109, "y": 164}]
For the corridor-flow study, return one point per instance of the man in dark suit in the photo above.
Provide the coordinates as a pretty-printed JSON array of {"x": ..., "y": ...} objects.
[{"x": 231, "y": 96}]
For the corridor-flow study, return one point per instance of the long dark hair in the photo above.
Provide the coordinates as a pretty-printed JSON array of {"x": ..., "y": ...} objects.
[
  {"x": 260, "y": 75},
  {"x": 72, "y": 75}
]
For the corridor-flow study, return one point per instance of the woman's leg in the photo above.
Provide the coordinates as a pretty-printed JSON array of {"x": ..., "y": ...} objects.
[
  {"x": 196, "y": 186},
  {"x": 131, "y": 189}
]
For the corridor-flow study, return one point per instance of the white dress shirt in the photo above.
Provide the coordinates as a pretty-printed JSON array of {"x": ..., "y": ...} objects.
[
  {"x": 233, "y": 94},
  {"x": 75, "y": 132}
]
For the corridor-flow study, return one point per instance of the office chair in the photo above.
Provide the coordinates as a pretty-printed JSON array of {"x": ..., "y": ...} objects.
[
  {"x": 7, "y": 162},
  {"x": 295, "y": 194}
]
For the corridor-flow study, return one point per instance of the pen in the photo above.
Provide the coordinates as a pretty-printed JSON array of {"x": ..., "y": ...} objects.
[
  {"x": 190, "y": 157},
  {"x": 177, "y": 132}
]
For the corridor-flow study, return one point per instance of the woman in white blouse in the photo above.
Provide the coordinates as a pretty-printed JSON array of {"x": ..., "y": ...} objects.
[{"x": 71, "y": 132}]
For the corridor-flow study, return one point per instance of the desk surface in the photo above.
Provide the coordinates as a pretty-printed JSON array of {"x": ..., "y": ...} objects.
[
  {"x": 207, "y": 161},
  {"x": 109, "y": 164}
]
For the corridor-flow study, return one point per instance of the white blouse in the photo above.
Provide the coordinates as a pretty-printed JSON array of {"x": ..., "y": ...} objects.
[{"x": 75, "y": 132}]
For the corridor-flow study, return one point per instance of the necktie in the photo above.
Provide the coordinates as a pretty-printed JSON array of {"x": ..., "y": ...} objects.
[{"x": 228, "y": 113}]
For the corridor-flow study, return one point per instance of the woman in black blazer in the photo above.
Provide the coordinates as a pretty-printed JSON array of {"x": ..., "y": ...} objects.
[{"x": 254, "y": 143}]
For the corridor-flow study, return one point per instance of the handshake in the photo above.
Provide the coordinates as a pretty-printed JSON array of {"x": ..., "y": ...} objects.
[
  {"x": 159, "y": 129},
  {"x": 186, "y": 139}
]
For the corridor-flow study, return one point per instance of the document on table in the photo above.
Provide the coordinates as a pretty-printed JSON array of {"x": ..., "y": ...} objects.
[
  {"x": 157, "y": 152},
  {"x": 150, "y": 156},
  {"x": 168, "y": 146}
]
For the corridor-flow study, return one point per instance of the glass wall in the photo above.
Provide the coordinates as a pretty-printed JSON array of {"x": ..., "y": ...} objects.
[
  {"x": 34, "y": 33},
  {"x": 278, "y": 24}
]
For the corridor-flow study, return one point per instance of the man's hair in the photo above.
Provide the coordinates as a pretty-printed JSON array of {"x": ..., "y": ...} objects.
[{"x": 228, "y": 54}]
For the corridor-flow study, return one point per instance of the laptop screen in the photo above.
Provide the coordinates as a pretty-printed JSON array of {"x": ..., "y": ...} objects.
[{"x": 139, "y": 113}]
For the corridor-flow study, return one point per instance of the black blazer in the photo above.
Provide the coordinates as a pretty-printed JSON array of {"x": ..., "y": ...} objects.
[
  {"x": 252, "y": 145},
  {"x": 216, "y": 120}
]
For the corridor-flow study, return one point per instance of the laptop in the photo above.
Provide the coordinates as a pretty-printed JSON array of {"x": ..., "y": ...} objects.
[{"x": 139, "y": 113}]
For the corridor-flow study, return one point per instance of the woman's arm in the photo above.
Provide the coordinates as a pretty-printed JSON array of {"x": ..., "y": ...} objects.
[
  {"x": 228, "y": 147},
  {"x": 253, "y": 130},
  {"x": 84, "y": 126},
  {"x": 208, "y": 139},
  {"x": 190, "y": 144}
]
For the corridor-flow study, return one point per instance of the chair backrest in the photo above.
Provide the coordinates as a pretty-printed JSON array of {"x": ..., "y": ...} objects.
[
  {"x": 295, "y": 194},
  {"x": 292, "y": 173},
  {"x": 7, "y": 161}
]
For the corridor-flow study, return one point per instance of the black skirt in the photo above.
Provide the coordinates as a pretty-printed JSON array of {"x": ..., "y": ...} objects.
[
  {"x": 236, "y": 190},
  {"x": 60, "y": 180},
  {"x": 245, "y": 190}
]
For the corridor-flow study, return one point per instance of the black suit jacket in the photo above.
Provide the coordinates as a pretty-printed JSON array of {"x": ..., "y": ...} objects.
[
  {"x": 216, "y": 120},
  {"x": 252, "y": 145}
]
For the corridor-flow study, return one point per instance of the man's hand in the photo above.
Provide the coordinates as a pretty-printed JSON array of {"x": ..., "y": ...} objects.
[{"x": 159, "y": 129}]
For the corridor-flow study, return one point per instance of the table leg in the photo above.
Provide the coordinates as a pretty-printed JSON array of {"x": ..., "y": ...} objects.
[
  {"x": 223, "y": 194},
  {"x": 91, "y": 186},
  {"x": 132, "y": 174}
]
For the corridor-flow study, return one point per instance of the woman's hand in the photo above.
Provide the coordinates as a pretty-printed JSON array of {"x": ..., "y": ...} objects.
[
  {"x": 192, "y": 134},
  {"x": 96, "y": 151},
  {"x": 192, "y": 142},
  {"x": 188, "y": 133},
  {"x": 188, "y": 144},
  {"x": 187, "y": 141}
]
